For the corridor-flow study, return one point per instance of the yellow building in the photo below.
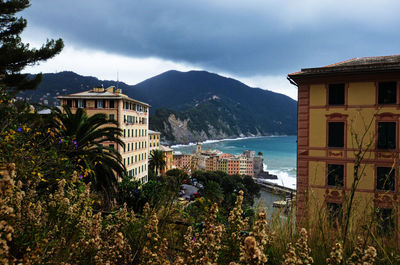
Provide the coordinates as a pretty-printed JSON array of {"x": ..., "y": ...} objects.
[
  {"x": 132, "y": 117},
  {"x": 168, "y": 157},
  {"x": 154, "y": 140},
  {"x": 338, "y": 105}
]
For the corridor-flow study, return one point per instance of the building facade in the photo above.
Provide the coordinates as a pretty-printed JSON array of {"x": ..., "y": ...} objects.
[
  {"x": 154, "y": 140},
  {"x": 132, "y": 117},
  {"x": 168, "y": 158},
  {"x": 183, "y": 161},
  {"x": 214, "y": 160},
  {"x": 348, "y": 110}
]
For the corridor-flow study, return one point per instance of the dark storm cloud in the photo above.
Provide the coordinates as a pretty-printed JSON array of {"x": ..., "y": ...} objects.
[{"x": 243, "y": 37}]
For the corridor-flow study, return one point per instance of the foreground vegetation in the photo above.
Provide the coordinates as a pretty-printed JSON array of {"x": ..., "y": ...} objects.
[{"x": 54, "y": 212}]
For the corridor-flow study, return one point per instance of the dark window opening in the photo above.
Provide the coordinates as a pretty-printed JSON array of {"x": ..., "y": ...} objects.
[
  {"x": 387, "y": 92},
  {"x": 99, "y": 103},
  {"x": 336, "y": 175},
  {"x": 387, "y": 135},
  {"x": 385, "y": 178},
  {"x": 385, "y": 221},
  {"x": 335, "y": 213},
  {"x": 336, "y": 134},
  {"x": 69, "y": 103},
  {"x": 111, "y": 146},
  {"x": 336, "y": 94},
  {"x": 111, "y": 104}
]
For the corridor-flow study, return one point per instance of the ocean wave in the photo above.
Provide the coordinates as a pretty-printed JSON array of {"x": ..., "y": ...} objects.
[
  {"x": 224, "y": 140},
  {"x": 284, "y": 179}
]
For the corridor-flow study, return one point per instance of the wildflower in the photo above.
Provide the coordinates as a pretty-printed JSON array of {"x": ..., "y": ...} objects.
[
  {"x": 19, "y": 129},
  {"x": 81, "y": 176}
]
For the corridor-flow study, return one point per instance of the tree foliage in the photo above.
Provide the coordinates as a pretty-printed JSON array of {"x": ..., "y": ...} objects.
[
  {"x": 16, "y": 55},
  {"x": 85, "y": 142},
  {"x": 157, "y": 161}
]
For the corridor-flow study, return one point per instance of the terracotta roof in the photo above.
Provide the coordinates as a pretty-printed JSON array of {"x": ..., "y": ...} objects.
[{"x": 359, "y": 64}]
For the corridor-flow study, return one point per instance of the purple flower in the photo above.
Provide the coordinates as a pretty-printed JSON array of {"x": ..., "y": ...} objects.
[
  {"x": 19, "y": 129},
  {"x": 80, "y": 176},
  {"x": 75, "y": 143},
  {"x": 194, "y": 238}
]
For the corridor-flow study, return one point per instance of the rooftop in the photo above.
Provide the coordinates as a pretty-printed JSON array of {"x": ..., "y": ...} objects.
[
  {"x": 153, "y": 132},
  {"x": 165, "y": 148},
  {"x": 100, "y": 92},
  {"x": 359, "y": 64}
]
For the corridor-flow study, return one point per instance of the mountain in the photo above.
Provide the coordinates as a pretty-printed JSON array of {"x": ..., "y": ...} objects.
[{"x": 192, "y": 106}]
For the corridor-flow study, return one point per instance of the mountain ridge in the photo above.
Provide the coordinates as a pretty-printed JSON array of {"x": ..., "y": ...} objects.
[{"x": 190, "y": 106}]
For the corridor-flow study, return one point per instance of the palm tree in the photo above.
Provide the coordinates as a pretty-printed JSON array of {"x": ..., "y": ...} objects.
[
  {"x": 157, "y": 161},
  {"x": 82, "y": 139}
]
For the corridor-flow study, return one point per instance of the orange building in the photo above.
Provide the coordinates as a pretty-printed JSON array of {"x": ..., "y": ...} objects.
[
  {"x": 337, "y": 103},
  {"x": 132, "y": 117},
  {"x": 183, "y": 161},
  {"x": 232, "y": 166}
]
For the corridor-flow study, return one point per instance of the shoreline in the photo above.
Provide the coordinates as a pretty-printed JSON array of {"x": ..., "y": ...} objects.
[{"x": 228, "y": 139}]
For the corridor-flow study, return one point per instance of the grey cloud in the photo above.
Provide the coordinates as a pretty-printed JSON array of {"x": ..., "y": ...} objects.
[{"x": 243, "y": 40}]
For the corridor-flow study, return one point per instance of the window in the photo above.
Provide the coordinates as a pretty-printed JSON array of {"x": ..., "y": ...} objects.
[
  {"x": 387, "y": 135},
  {"x": 111, "y": 146},
  {"x": 124, "y": 161},
  {"x": 335, "y": 175},
  {"x": 69, "y": 103},
  {"x": 335, "y": 213},
  {"x": 336, "y": 134},
  {"x": 336, "y": 94},
  {"x": 129, "y": 133},
  {"x": 111, "y": 104},
  {"x": 111, "y": 117},
  {"x": 81, "y": 103},
  {"x": 387, "y": 92},
  {"x": 385, "y": 221},
  {"x": 124, "y": 132},
  {"x": 385, "y": 178},
  {"x": 99, "y": 103}
]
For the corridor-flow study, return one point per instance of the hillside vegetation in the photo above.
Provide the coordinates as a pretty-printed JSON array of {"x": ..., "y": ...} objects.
[{"x": 190, "y": 106}]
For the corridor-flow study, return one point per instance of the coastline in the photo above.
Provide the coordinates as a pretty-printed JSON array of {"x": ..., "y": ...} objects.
[{"x": 228, "y": 139}]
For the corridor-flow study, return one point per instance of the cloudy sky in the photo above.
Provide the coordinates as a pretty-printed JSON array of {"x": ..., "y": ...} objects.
[{"x": 256, "y": 41}]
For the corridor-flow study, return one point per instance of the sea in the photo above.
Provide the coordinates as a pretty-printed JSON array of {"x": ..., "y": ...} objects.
[{"x": 279, "y": 153}]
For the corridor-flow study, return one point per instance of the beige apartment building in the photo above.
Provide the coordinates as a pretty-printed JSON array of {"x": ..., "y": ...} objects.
[{"x": 132, "y": 117}]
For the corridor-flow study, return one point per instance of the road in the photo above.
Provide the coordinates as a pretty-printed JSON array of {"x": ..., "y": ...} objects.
[{"x": 189, "y": 190}]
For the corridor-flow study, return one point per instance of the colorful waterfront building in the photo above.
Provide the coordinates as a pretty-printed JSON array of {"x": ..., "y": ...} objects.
[
  {"x": 345, "y": 108},
  {"x": 132, "y": 117},
  {"x": 183, "y": 161}
]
